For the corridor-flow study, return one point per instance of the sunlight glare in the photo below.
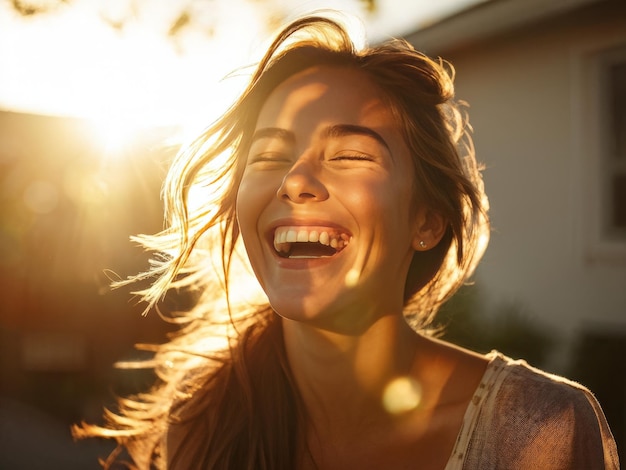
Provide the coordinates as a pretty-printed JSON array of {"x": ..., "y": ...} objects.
[
  {"x": 136, "y": 74},
  {"x": 113, "y": 135},
  {"x": 84, "y": 188},
  {"x": 87, "y": 58}
]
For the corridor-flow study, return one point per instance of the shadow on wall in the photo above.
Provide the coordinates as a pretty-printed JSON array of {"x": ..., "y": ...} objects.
[{"x": 597, "y": 360}]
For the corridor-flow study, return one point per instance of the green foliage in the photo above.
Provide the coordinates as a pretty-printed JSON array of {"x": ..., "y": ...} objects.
[
  {"x": 510, "y": 328},
  {"x": 598, "y": 363}
]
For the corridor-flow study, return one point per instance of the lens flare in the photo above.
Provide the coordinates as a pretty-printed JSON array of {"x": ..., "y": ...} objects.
[
  {"x": 352, "y": 278},
  {"x": 41, "y": 197},
  {"x": 402, "y": 395}
]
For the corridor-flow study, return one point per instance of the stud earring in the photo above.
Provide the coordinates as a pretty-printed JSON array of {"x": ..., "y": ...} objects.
[{"x": 422, "y": 244}]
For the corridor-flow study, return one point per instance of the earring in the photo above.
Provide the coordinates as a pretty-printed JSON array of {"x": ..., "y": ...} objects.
[{"x": 422, "y": 244}]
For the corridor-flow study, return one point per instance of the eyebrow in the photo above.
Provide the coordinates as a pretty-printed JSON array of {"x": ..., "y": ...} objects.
[
  {"x": 337, "y": 130},
  {"x": 341, "y": 130},
  {"x": 274, "y": 132}
]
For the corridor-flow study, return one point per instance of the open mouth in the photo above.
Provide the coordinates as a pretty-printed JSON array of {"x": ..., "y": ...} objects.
[{"x": 309, "y": 243}]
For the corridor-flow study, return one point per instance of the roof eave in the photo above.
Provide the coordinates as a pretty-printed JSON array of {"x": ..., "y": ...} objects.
[{"x": 487, "y": 19}]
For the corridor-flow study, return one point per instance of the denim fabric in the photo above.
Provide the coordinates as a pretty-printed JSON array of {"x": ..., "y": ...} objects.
[{"x": 523, "y": 418}]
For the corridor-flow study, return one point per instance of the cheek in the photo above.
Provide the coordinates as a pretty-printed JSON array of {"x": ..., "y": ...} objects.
[
  {"x": 387, "y": 200},
  {"x": 253, "y": 197},
  {"x": 246, "y": 209},
  {"x": 390, "y": 207}
]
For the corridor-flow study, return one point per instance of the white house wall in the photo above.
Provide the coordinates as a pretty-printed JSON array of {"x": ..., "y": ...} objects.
[{"x": 528, "y": 114}]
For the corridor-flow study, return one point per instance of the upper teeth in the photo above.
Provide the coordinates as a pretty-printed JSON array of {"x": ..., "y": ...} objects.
[{"x": 285, "y": 236}]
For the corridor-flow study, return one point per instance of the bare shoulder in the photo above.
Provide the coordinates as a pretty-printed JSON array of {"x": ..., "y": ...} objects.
[
  {"x": 459, "y": 370},
  {"x": 452, "y": 352}
]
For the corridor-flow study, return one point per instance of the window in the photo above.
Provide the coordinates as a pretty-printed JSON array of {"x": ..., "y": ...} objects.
[
  {"x": 615, "y": 135},
  {"x": 600, "y": 142}
]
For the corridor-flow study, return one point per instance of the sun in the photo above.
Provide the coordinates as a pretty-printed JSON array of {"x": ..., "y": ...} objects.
[
  {"x": 152, "y": 62},
  {"x": 112, "y": 135},
  {"x": 71, "y": 63}
]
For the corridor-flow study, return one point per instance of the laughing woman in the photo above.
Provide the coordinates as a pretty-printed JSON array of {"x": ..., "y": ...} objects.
[{"x": 349, "y": 176}]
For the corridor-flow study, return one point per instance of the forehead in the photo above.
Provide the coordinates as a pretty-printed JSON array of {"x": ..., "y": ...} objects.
[{"x": 328, "y": 95}]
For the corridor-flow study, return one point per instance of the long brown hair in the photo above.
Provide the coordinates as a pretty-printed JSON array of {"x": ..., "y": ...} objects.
[{"x": 225, "y": 397}]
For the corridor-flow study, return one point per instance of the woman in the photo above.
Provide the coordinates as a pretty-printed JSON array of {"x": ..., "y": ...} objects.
[{"x": 350, "y": 176}]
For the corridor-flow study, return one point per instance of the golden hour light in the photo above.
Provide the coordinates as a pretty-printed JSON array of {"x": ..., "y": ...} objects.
[
  {"x": 132, "y": 64},
  {"x": 113, "y": 134},
  {"x": 155, "y": 63},
  {"x": 165, "y": 258},
  {"x": 120, "y": 63}
]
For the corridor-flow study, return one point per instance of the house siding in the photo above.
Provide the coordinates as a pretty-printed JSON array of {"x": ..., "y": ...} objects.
[{"x": 528, "y": 113}]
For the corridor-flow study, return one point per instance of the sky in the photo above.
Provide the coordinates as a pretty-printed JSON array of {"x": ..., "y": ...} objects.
[{"x": 113, "y": 60}]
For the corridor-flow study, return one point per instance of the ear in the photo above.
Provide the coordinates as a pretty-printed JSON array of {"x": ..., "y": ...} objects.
[{"x": 430, "y": 227}]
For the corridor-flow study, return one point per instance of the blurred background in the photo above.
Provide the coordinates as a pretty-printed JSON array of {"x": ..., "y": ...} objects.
[{"x": 97, "y": 96}]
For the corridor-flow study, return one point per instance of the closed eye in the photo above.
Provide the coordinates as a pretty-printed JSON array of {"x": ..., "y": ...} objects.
[
  {"x": 352, "y": 157},
  {"x": 268, "y": 157},
  {"x": 361, "y": 157}
]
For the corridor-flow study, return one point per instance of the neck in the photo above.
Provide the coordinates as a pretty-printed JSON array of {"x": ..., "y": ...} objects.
[{"x": 341, "y": 378}]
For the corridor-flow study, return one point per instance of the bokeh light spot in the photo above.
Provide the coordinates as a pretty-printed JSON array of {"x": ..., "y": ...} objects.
[
  {"x": 41, "y": 197},
  {"x": 352, "y": 278},
  {"x": 402, "y": 395}
]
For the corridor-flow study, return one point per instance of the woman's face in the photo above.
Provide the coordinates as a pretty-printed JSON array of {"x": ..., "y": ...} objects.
[{"x": 325, "y": 204}]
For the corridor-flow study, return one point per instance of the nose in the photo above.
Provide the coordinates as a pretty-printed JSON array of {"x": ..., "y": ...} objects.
[{"x": 302, "y": 183}]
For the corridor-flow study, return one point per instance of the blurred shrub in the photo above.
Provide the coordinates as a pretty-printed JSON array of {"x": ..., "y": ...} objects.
[{"x": 509, "y": 327}]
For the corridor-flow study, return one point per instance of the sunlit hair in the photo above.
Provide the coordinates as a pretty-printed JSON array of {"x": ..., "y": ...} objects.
[{"x": 224, "y": 383}]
